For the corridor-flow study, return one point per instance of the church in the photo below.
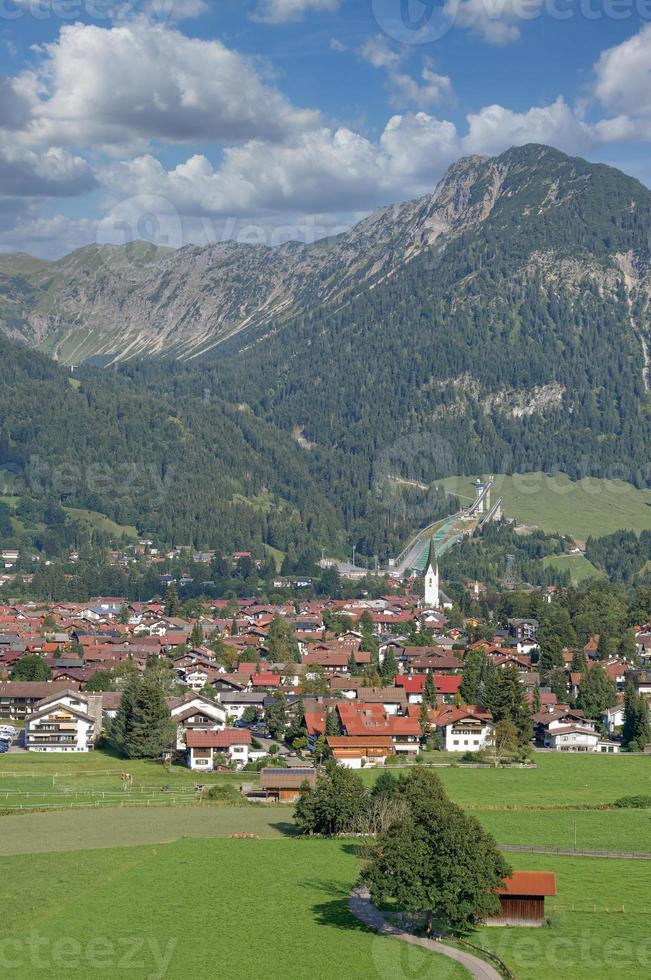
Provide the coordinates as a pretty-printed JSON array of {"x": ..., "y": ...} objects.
[{"x": 431, "y": 597}]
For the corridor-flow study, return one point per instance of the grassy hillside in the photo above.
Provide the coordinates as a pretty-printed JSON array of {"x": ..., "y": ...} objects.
[
  {"x": 578, "y": 566},
  {"x": 102, "y": 523},
  {"x": 578, "y": 508}
]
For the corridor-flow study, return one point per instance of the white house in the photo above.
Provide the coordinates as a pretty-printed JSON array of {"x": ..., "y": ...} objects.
[
  {"x": 236, "y": 704},
  {"x": 64, "y": 722},
  {"x": 197, "y": 713},
  {"x": 613, "y": 718},
  {"x": 574, "y": 738},
  {"x": 203, "y": 747},
  {"x": 465, "y": 729}
]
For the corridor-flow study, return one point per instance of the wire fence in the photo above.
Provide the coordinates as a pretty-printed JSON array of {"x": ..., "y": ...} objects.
[
  {"x": 575, "y": 852},
  {"x": 98, "y": 804}
]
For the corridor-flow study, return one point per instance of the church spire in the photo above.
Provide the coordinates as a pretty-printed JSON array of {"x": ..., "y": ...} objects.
[
  {"x": 431, "y": 556},
  {"x": 431, "y": 596}
]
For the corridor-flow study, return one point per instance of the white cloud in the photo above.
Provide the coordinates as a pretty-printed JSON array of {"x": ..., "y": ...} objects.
[
  {"x": 47, "y": 237},
  {"x": 404, "y": 89},
  {"x": 280, "y": 11},
  {"x": 379, "y": 53},
  {"x": 435, "y": 89},
  {"x": 623, "y": 76},
  {"x": 418, "y": 148},
  {"x": 137, "y": 82},
  {"x": 324, "y": 171},
  {"x": 14, "y": 107},
  {"x": 495, "y": 21},
  {"x": 495, "y": 128},
  {"x": 55, "y": 173}
]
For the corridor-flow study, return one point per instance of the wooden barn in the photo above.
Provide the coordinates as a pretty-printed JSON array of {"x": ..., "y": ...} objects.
[
  {"x": 523, "y": 899},
  {"x": 284, "y": 785}
]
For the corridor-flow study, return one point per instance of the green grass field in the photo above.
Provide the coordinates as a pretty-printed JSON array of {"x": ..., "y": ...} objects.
[
  {"x": 202, "y": 909},
  {"x": 557, "y": 780},
  {"x": 106, "y": 828},
  {"x": 278, "y": 908},
  {"x": 598, "y": 922},
  {"x": 103, "y": 523},
  {"x": 578, "y": 566},
  {"x": 596, "y": 830},
  {"x": 58, "y": 780},
  {"x": 581, "y": 508},
  {"x": 191, "y": 901}
]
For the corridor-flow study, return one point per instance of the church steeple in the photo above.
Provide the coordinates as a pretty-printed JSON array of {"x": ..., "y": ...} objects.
[
  {"x": 431, "y": 594},
  {"x": 431, "y": 556}
]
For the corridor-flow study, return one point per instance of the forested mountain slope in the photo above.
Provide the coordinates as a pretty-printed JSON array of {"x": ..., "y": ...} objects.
[
  {"x": 499, "y": 324},
  {"x": 180, "y": 464},
  {"x": 520, "y": 343}
]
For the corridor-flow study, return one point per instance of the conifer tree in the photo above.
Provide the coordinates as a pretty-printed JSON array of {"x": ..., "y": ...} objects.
[
  {"x": 429, "y": 690},
  {"x": 389, "y": 667},
  {"x": 172, "y": 604},
  {"x": 196, "y": 636},
  {"x": 596, "y": 692},
  {"x": 636, "y": 730}
]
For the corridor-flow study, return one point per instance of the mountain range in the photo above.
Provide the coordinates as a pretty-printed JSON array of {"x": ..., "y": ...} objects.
[{"x": 500, "y": 324}]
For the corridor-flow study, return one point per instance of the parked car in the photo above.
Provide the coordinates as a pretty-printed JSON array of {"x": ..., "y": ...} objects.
[
  {"x": 4, "y": 747},
  {"x": 261, "y": 731}
]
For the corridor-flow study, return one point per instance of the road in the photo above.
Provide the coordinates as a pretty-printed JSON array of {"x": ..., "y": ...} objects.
[{"x": 363, "y": 909}]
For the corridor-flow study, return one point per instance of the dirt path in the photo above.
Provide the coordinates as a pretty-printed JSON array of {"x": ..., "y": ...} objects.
[{"x": 363, "y": 909}]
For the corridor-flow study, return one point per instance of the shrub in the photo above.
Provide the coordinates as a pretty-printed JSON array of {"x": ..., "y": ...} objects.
[
  {"x": 227, "y": 794},
  {"x": 640, "y": 802},
  {"x": 391, "y": 760}
]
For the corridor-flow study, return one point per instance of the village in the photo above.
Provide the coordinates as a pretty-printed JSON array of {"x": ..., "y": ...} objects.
[
  {"x": 366, "y": 682},
  {"x": 282, "y": 704}
]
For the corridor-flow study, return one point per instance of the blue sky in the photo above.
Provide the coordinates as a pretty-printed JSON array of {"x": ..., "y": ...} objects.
[{"x": 191, "y": 121}]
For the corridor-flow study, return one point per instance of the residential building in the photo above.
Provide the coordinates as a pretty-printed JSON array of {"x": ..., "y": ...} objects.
[
  {"x": 64, "y": 722},
  {"x": 205, "y": 747},
  {"x": 466, "y": 729}
]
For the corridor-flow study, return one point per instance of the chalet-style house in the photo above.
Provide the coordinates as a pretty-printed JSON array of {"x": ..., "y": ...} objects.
[
  {"x": 574, "y": 738},
  {"x": 236, "y": 704},
  {"x": 468, "y": 729},
  {"x": 446, "y": 686},
  {"x": 193, "y": 713},
  {"x": 19, "y": 698},
  {"x": 353, "y": 751},
  {"x": 64, "y": 722},
  {"x": 205, "y": 747}
]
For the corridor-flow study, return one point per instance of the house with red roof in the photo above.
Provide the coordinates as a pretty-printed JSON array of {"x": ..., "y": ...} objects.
[
  {"x": 447, "y": 686},
  {"x": 465, "y": 729},
  {"x": 205, "y": 747}
]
